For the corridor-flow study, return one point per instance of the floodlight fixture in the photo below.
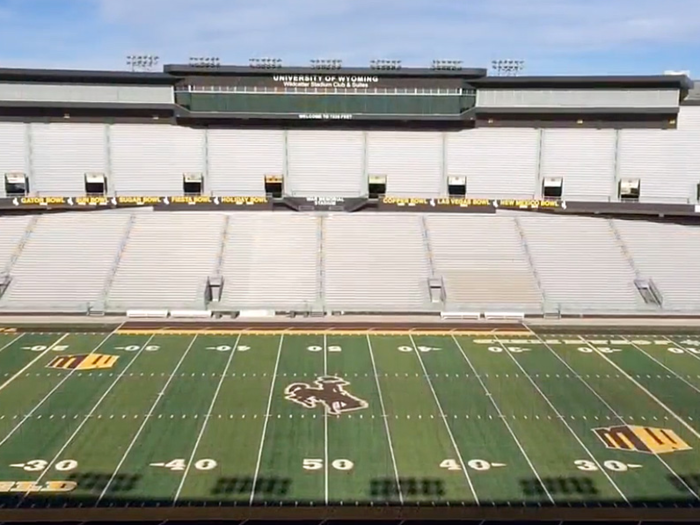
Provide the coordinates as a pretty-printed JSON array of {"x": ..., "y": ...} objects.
[
  {"x": 447, "y": 65},
  {"x": 385, "y": 64},
  {"x": 326, "y": 63},
  {"x": 210, "y": 62},
  {"x": 266, "y": 63},
  {"x": 508, "y": 67},
  {"x": 142, "y": 62}
]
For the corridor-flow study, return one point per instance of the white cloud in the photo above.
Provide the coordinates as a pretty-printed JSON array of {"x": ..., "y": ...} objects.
[{"x": 540, "y": 31}]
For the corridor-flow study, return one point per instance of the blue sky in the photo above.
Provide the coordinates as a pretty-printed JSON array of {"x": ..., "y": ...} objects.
[{"x": 552, "y": 36}]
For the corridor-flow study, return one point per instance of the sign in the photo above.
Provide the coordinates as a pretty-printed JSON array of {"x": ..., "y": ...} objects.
[
  {"x": 326, "y": 81},
  {"x": 450, "y": 204},
  {"x": 325, "y": 203},
  {"x": 158, "y": 203},
  {"x": 326, "y": 116}
]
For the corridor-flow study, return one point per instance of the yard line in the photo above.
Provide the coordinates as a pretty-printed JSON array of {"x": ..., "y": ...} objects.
[
  {"x": 58, "y": 385},
  {"x": 206, "y": 420},
  {"x": 12, "y": 342},
  {"x": 145, "y": 421},
  {"x": 444, "y": 420},
  {"x": 684, "y": 347},
  {"x": 563, "y": 420},
  {"x": 267, "y": 417},
  {"x": 691, "y": 385},
  {"x": 385, "y": 418},
  {"x": 325, "y": 421},
  {"x": 612, "y": 410},
  {"x": 652, "y": 396},
  {"x": 503, "y": 418},
  {"x": 88, "y": 416}
]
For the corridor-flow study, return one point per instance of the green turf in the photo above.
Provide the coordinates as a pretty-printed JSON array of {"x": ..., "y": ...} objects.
[{"x": 466, "y": 420}]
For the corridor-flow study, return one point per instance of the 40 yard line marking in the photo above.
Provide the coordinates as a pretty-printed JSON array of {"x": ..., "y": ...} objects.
[
  {"x": 563, "y": 420},
  {"x": 206, "y": 420},
  {"x": 386, "y": 420},
  {"x": 87, "y": 418},
  {"x": 145, "y": 422},
  {"x": 505, "y": 421},
  {"x": 267, "y": 418},
  {"x": 444, "y": 420}
]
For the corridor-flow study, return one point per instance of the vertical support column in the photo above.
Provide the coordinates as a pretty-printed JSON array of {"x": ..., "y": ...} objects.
[
  {"x": 614, "y": 197},
  {"x": 444, "y": 168},
  {"x": 111, "y": 183},
  {"x": 207, "y": 189},
  {"x": 288, "y": 186},
  {"x": 365, "y": 165},
  {"x": 538, "y": 175},
  {"x": 321, "y": 271},
  {"x": 29, "y": 158}
]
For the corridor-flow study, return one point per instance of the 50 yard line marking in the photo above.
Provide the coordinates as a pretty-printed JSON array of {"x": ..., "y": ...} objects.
[
  {"x": 563, "y": 420},
  {"x": 206, "y": 420},
  {"x": 385, "y": 418},
  {"x": 267, "y": 418},
  {"x": 444, "y": 420},
  {"x": 145, "y": 421},
  {"x": 505, "y": 421}
]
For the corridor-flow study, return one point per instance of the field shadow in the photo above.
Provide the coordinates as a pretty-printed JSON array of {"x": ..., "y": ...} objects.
[{"x": 266, "y": 487}]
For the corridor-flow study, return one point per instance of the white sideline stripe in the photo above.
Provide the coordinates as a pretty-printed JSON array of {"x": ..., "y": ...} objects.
[
  {"x": 267, "y": 411},
  {"x": 505, "y": 421},
  {"x": 612, "y": 410},
  {"x": 386, "y": 422},
  {"x": 145, "y": 421},
  {"x": 206, "y": 420},
  {"x": 58, "y": 385},
  {"x": 89, "y": 415},
  {"x": 325, "y": 421},
  {"x": 563, "y": 420},
  {"x": 20, "y": 372},
  {"x": 652, "y": 396},
  {"x": 444, "y": 420}
]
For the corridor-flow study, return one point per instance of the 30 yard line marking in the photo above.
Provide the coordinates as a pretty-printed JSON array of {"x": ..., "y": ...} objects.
[
  {"x": 267, "y": 413},
  {"x": 206, "y": 420},
  {"x": 444, "y": 420},
  {"x": 56, "y": 387},
  {"x": 503, "y": 418},
  {"x": 648, "y": 393},
  {"x": 87, "y": 417},
  {"x": 563, "y": 420},
  {"x": 145, "y": 421},
  {"x": 386, "y": 422},
  {"x": 325, "y": 421},
  {"x": 612, "y": 410}
]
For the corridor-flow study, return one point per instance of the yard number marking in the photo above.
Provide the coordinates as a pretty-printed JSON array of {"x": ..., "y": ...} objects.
[
  {"x": 612, "y": 465},
  {"x": 676, "y": 350},
  {"x": 181, "y": 464},
  {"x": 475, "y": 464},
  {"x": 601, "y": 349},
  {"x": 136, "y": 348},
  {"x": 41, "y": 348},
  {"x": 227, "y": 348},
  {"x": 320, "y": 349},
  {"x": 419, "y": 348},
  {"x": 338, "y": 464},
  {"x": 511, "y": 349},
  {"x": 38, "y": 465}
]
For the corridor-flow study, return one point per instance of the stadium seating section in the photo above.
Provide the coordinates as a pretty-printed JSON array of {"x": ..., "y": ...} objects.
[
  {"x": 366, "y": 262},
  {"x": 142, "y": 159}
]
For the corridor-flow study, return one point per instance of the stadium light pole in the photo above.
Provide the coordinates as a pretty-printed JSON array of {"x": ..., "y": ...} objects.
[
  {"x": 441, "y": 64},
  {"x": 211, "y": 62},
  {"x": 381, "y": 63},
  {"x": 326, "y": 63},
  {"x": 508, "y": 67},
  {"x": 266, "y": 63},
  {"x": 142, "y": 62}
]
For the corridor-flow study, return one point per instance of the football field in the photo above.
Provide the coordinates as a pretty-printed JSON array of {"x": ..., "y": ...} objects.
[{"x": 223, "y": 418}]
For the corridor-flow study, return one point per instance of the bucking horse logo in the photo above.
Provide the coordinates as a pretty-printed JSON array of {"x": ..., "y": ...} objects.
[{"x": 328, "y": 391}]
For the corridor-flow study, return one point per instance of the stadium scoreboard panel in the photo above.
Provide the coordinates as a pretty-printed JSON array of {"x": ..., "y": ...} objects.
[{"x": 328, "y": 95}]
